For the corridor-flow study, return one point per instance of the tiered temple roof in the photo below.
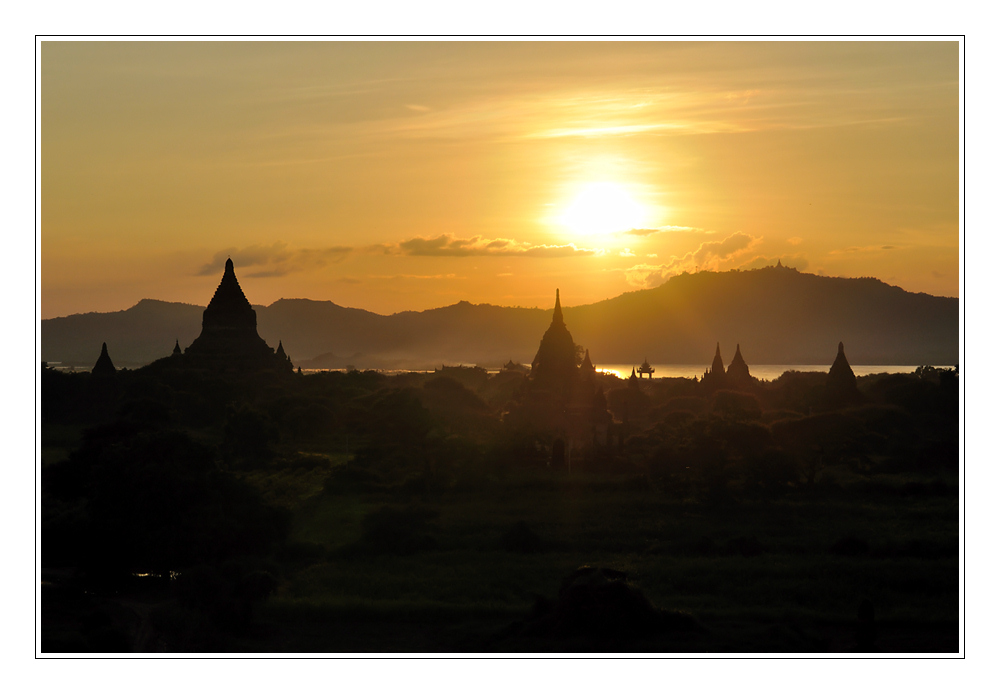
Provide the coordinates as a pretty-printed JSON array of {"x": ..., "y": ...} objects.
[
  {"x": 646, "y": 368},
  {"x": 554, "y": 364},
  {"x": 229, "y": 339}
]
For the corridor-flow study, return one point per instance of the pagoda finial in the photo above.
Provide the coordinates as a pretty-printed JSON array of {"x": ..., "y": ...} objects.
[
  {"x": 229, "y": 265},
  {"x": 557, "y": 316},
  {"x": 177, "y": 346}
]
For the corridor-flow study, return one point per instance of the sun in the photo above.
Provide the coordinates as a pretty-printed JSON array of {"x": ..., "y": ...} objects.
[{"x": 601, "y": 209}]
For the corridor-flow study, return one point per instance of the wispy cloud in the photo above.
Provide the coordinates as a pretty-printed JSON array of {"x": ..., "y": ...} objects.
[
  {"x": 708, "y": 256},
  {"x": 850, "y": 250},
  {"x": 447, "y": 245},
  {"x": 275, "y": 260},
  {"x": 664, "y": 230},
  {"x": 447, "y": 276}
]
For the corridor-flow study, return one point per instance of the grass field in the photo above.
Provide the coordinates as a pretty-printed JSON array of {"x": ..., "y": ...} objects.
[{"x": 786, "y": 575}]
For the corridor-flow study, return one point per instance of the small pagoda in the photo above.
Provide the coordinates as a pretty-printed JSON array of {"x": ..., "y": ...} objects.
[
  {"x": 646, "y": 369},
  {"x": 738, "y": 373},
  {"x": 104, "y": 366},
  {"x": 715, "y": 377},
  {"x": 841, "y": 379}
]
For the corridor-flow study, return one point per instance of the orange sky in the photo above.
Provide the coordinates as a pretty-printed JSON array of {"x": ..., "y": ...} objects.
[{"x": 396, "y": 176}]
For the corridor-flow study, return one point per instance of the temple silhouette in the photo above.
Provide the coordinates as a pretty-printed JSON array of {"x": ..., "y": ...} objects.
[
  {"x": 841, "y": 383},
  {"x": 229, "y": 341},
  {"x": 646, "y": 369},
  {"x": 104, "y": 366},
  {"x": 736, "y": 377},
  {"x": 559, "y": 396}
]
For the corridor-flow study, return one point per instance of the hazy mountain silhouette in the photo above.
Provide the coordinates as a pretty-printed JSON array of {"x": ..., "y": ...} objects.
[{"x": 778, "y": 315}]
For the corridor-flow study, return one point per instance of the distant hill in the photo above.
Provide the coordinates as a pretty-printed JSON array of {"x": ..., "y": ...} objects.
[{"x": 778, "y": 315}]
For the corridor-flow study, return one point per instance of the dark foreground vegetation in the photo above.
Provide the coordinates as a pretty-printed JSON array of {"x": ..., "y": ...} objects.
[{"x": 185, "y": 511}]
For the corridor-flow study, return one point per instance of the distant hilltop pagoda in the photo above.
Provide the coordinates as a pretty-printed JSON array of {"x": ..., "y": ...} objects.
[{"x": 229, "y": 339}]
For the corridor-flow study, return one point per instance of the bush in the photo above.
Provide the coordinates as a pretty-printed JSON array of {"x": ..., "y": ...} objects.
[
  {"x": 733, "y": 404},
  {"x": 521, "y": 539},
  {"x": 398, "y": 530}
]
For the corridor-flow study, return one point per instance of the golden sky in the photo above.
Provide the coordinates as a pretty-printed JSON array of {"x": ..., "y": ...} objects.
[{"x": 398, "y": 176}]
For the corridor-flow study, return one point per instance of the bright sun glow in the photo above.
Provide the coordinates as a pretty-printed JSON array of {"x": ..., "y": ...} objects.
[{"x": 603, "y": 208}]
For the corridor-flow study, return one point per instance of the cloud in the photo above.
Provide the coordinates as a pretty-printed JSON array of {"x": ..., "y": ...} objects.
[
  {"x": 275, "y": 260},
  {"x": 795, "y": 240},
  {"x": 861, "y": 249},
  {"x": 626, "y": 253},
  {"x": 449, "y": 276},
  {"x": 664, "y": 229},
  {"x": 448, "y": 245},
  {"x": 744, "y": 96},
  {"x": 708, "y": 256}
]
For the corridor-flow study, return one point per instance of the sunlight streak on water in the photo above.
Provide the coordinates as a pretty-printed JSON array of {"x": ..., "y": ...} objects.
[{"x": 766, "y": 372}]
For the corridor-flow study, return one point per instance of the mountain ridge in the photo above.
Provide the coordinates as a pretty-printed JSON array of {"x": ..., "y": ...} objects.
[{"x": 778, "y": 315}]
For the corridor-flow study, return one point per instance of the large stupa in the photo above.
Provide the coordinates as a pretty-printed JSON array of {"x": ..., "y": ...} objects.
[
  {"x": 229, "y": 339},
  {"x": 554, "y": 365}
]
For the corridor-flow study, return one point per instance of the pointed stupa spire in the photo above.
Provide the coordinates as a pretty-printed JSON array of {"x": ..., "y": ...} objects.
[
  {"x": 841, "y": 377},
  {"x": 177, "y": 347},
  {"x": 104, "y": 366},
  {"x": 718, "y": 367},
  {"x": 587, "y": 365},
  {"x": 281, "y": 351},
  {"x": 557, "y": 316},
  {"x": 738, "y": 370},
  {"x": 229, "y": 304},
  {"x": 555, "y": 361}
]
